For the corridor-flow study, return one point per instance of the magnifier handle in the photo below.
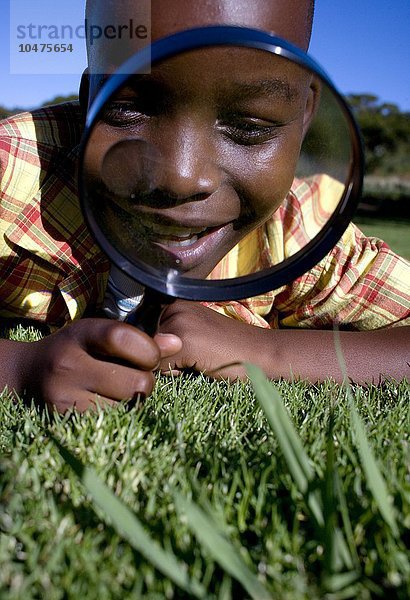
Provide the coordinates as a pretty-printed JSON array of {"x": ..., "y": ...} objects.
[{"x": 148, "y": 315}]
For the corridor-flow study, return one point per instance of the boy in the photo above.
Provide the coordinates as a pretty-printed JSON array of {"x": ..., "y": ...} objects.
[{"x": 53, "y": 271}]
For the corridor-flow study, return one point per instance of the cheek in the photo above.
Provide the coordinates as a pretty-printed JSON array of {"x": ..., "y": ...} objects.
[
  {"x": 264, "y": 174},
  {"x": 98, "y": 145},
  {"x": 102, "y": 139}
]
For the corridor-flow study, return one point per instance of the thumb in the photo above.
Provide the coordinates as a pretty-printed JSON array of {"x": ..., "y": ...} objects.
[{"x": 168, "y": 343}]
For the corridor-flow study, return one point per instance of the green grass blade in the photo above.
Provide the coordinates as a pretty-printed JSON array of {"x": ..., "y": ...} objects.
[
  {"x": 347, "y": 524},
  {"x": 331, "y": 563},
  {"x": 337, "y": 553},
  {"x": 338, "y": 582},
  {"x": 343, "y": 549},
  {"x": 281, "y": 424},
  {"x": 128, "y": 526},
  {"x": 289, "y": 441},
  {"x": 374, "y": 478},
  {"x": 221, "y": 549}
]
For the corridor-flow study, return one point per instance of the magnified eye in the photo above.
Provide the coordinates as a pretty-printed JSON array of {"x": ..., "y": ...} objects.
[
  {"x": 123, "y": 113},
  {"x": 247, "y": 130}
]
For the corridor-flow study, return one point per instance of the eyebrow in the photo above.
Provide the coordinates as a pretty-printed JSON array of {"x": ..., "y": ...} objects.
[
  {"x": 273, "y": 87},
  {"x": 276, "y": 88}
]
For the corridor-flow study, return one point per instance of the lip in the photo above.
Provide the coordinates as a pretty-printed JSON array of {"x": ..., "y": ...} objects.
[
  {"x": 192, "y": 239},
  {"x": 183, "y": 219},
  {"x": 193, "y": 252}
]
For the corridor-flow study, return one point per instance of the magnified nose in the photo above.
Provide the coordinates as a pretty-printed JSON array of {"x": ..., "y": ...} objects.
[
  {"x": 191, "y": 163},
  {"x": 131, "y": 167},
  {"x": 136, "y": 171}
]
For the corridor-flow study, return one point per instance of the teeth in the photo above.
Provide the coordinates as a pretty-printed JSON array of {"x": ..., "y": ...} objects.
[
  {"x": 174, "y": 236},
  {"x": 178, "y": 243},
  {"x": 173, "y": 231}
]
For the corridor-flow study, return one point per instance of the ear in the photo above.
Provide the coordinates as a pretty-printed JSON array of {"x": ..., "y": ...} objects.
[
  {"x": 84, "y": 91},
  {"x": 312, "y": 103}
]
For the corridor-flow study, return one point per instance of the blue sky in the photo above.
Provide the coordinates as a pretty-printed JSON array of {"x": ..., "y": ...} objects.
[{"x": 362, "y": 44}]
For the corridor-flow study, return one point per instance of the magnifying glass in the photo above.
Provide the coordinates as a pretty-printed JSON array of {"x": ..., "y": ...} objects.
[{"x": 217, "y": 164}]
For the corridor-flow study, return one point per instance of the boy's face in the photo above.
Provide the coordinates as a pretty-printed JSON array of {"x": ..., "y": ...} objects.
[{"x": 217, "y": 134}]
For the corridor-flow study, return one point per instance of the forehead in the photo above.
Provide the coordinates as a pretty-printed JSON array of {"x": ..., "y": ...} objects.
[
  {"x": 289, "y": 19},
  {"x": 241, "y": 73}
]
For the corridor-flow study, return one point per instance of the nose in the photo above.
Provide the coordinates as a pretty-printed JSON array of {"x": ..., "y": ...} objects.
[{"x": 189, "y": 165}]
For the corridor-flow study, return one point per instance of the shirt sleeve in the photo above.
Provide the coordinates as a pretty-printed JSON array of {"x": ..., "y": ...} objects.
[
  {"x": 50, "y": 268},
  {"x": 360, "y": 285}
]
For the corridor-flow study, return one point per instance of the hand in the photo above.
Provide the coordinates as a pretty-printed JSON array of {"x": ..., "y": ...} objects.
[
  {"x": 90, "y": 361},
  {"x": 210, "y": 341}
]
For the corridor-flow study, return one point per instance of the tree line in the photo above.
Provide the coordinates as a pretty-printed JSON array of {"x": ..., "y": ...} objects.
[{"x": 386, "y": 135}]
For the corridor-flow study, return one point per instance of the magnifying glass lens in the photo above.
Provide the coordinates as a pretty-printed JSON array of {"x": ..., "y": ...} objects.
[{"x": 224, "y": 172}]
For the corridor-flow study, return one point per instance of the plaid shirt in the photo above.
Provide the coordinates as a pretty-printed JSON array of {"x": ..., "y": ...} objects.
[{"x": 52, "y": 270}]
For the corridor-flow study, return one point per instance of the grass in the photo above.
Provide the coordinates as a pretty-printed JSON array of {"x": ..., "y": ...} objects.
[
  {"x": 204, "y": 452},
  {"x": 394, "y": 231}
]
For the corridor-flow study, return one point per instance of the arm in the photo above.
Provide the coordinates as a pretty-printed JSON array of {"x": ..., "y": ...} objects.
[
  {"x": 211, "y": 340},
  {"x": 370, "y": 356},
  {"x": 88, "y": 360}
]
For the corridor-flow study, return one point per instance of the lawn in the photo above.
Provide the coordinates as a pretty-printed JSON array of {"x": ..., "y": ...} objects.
[
  {"x": 211, "y": 445},
  {"x": 394, "y": 231}
]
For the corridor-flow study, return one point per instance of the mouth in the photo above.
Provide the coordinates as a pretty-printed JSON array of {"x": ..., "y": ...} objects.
[
  {"x": 177, "y": 236},
  {"x": 191, "y": 241},
  {"x": 196, "y": 249}
]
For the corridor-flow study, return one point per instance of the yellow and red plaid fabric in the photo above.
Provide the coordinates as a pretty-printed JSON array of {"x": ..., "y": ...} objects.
[{"x": 52, "y": 271}]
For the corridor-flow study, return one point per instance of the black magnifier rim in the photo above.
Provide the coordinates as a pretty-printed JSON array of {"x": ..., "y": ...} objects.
[{"x": 265, "y": 280}]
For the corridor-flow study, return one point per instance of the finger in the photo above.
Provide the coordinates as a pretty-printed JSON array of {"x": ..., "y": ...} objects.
[
  {"x": 118, "y": 382},
  {"x": 100, "y": 402},
  {"x": 168, "y": 344},
  {"x": 120, "y": 341},
  {"x": 172, "y": 373},
  {"x": 94, "y": 401},
  {"x": 80, "y": 402}
]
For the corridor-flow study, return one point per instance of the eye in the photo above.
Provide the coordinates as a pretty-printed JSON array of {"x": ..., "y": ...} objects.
[
  {"x": 124, "y": 113},
  {"x": 247, "y": 130}
]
